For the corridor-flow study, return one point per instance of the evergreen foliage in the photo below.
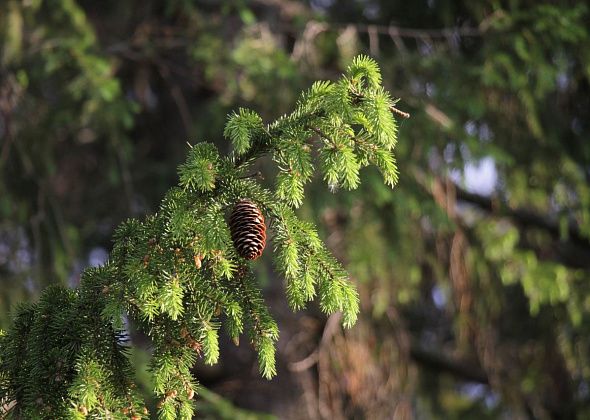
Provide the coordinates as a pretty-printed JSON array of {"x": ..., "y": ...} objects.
[
  {"x": 177, "y": 275},
  {"x": 490, "y": 265}
]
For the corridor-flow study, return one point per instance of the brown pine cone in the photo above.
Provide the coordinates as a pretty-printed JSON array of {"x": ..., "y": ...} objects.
[{"x": 248, "y": 231}]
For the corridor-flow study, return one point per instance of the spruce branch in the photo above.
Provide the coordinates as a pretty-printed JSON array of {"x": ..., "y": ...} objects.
[{"x": 178, "y": 276}]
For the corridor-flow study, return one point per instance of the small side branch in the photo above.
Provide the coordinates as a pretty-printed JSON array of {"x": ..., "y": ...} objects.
[
  {"x": 306, "y": 363},
  {"x": 320, "y": 133},
  {"x": 399, "y": 112},
  {"x": 439, "y": 362},
  {"x": 359, "y": 96}
]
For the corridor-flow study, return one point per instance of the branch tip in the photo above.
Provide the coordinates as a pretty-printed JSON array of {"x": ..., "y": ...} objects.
[{"x": 399, "y": 112}]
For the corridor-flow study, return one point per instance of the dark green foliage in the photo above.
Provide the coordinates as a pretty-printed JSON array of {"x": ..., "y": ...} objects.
[
  {"x": 62, "y": 358},
  {"x": 177, "y": 274}
]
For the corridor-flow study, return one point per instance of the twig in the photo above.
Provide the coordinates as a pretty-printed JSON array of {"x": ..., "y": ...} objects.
[
  {"x": 305, "y": 363},
  {"x": 359, "y": 96},
  {"x": 254, "y": 175},
  {"x": 319, "y": 133},
  {"x": 440, "y": 362},
  {"x": 177, "y": 96},
  {"x": 399, "y": 112},
  {"x": 373, "y": 40},
  {"x": 6, "y": 408}
]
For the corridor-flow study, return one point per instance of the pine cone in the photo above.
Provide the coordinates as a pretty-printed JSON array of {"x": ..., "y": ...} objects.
[{"x": 248, "y": 231}]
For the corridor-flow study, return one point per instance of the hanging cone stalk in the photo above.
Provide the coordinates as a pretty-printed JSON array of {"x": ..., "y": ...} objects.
[{"x": 248, "y": 231}]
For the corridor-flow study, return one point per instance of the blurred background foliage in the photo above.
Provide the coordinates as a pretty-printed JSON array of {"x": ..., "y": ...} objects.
[{"x": 473, "y": 271}]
